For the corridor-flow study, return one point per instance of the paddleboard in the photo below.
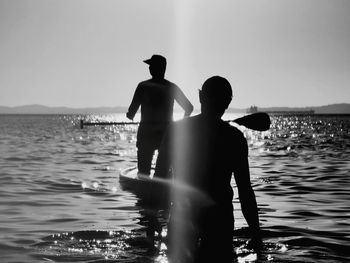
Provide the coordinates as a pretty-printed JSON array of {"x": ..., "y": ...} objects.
[{"x": 149, "y": 190}]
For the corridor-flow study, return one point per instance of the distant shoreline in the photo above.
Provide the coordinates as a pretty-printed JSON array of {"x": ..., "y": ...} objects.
[
  {"x": 341, "y": 108},
  {"x": 273, "y": 114}
]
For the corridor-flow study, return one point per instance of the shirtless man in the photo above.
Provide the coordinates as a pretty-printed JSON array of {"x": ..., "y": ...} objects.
[
  {"x": 156, "y": 97},
  {"x": 201, "y": 153}
]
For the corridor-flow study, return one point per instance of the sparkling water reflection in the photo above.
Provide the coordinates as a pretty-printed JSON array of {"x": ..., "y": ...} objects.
[{"x": 61, "y": 200}]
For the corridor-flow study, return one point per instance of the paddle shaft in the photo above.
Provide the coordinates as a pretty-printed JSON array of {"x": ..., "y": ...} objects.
[{"x": 259, "y": 121}]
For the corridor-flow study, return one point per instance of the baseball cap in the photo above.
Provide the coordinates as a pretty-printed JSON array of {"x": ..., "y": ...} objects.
[{"x": 156, "y": 60}]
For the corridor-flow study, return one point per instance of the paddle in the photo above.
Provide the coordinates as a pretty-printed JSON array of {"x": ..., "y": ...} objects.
[{"x": 259, "y": 121}]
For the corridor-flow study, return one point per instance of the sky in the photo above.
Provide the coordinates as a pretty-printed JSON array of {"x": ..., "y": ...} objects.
[{"x": 89, "y": 53}]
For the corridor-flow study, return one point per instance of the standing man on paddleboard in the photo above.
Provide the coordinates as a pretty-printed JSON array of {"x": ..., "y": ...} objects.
[
  {"x": 203, "y": 152},
  {"x": 156, "y": 97}
]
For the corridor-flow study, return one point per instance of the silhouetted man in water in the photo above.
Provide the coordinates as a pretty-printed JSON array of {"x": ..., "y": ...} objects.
[
  {"x": 202, "y": 152},
  {"x": 156, "y": 97}
]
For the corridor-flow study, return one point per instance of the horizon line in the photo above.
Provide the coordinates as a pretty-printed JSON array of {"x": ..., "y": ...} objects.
[{"x": 123, "y": 106}]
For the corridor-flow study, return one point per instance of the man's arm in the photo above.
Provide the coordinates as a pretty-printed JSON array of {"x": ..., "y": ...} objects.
[
  {"x": 246, "y": 192},
  {"x": 135, "y": 104},
  {"x": 182, "y": 100}
]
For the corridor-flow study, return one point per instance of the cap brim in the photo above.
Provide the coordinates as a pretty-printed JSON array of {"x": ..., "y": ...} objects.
[{"x": 147, "y": 61}]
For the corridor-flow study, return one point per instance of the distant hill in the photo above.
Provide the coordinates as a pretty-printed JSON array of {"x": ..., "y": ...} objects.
[
  {"x": 334, "y": 108},
  {"x": 343, "y": 108},
  {"x": 40, "y": 109}
]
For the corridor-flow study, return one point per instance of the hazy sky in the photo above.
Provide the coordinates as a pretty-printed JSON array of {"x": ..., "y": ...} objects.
[{"x": 88, "y": 53}]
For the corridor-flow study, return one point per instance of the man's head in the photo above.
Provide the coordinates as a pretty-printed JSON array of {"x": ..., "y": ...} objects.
[
  {"x": 215, "y": 96},
  {"x": 157, "y": 66}
]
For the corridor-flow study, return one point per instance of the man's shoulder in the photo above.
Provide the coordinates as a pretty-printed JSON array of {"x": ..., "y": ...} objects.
[
  {"x": 221, "y": 131},
  {"x": 229, "y": 127},
  {"x": 145, "y": 83},
  {"x": 152, "y": 82},
  {"x": 223, "y": 127},
  {"x": 170, "y": 84},
  {"x": 189, "y": 120},
  {"x": 164, "y": 80},
  {"x": 232, "y": 131},
  {"x": 185, "y": 123}
]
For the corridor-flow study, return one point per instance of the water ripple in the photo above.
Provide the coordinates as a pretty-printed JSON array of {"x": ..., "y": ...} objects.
[{"x": 59, "y": 184}]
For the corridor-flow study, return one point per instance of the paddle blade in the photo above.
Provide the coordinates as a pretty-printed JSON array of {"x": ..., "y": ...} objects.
[{"x": 259, "y": 121}]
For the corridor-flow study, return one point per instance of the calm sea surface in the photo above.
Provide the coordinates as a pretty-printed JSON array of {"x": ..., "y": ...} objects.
[{"x": 61, "y": 201}]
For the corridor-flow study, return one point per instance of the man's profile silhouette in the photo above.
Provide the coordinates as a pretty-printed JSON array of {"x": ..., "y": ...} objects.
[
  {"x": 201, "y": 153},
  {"x": 156, "y": 97}
]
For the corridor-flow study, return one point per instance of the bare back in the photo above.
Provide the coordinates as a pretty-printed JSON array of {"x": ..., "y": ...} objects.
[
  {"x": 156, "y": 98},
  {"x": 204, "y": 155}
]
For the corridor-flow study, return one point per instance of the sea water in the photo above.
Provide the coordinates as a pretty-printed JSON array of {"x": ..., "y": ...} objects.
[{"x": 61, "y": 201}]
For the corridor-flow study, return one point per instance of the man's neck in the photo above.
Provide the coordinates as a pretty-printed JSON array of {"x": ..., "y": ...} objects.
[
  {"x": 158, "y": 78},
  {"x": 211, "y": 113},
  {"x": 211, "y": 116}
]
